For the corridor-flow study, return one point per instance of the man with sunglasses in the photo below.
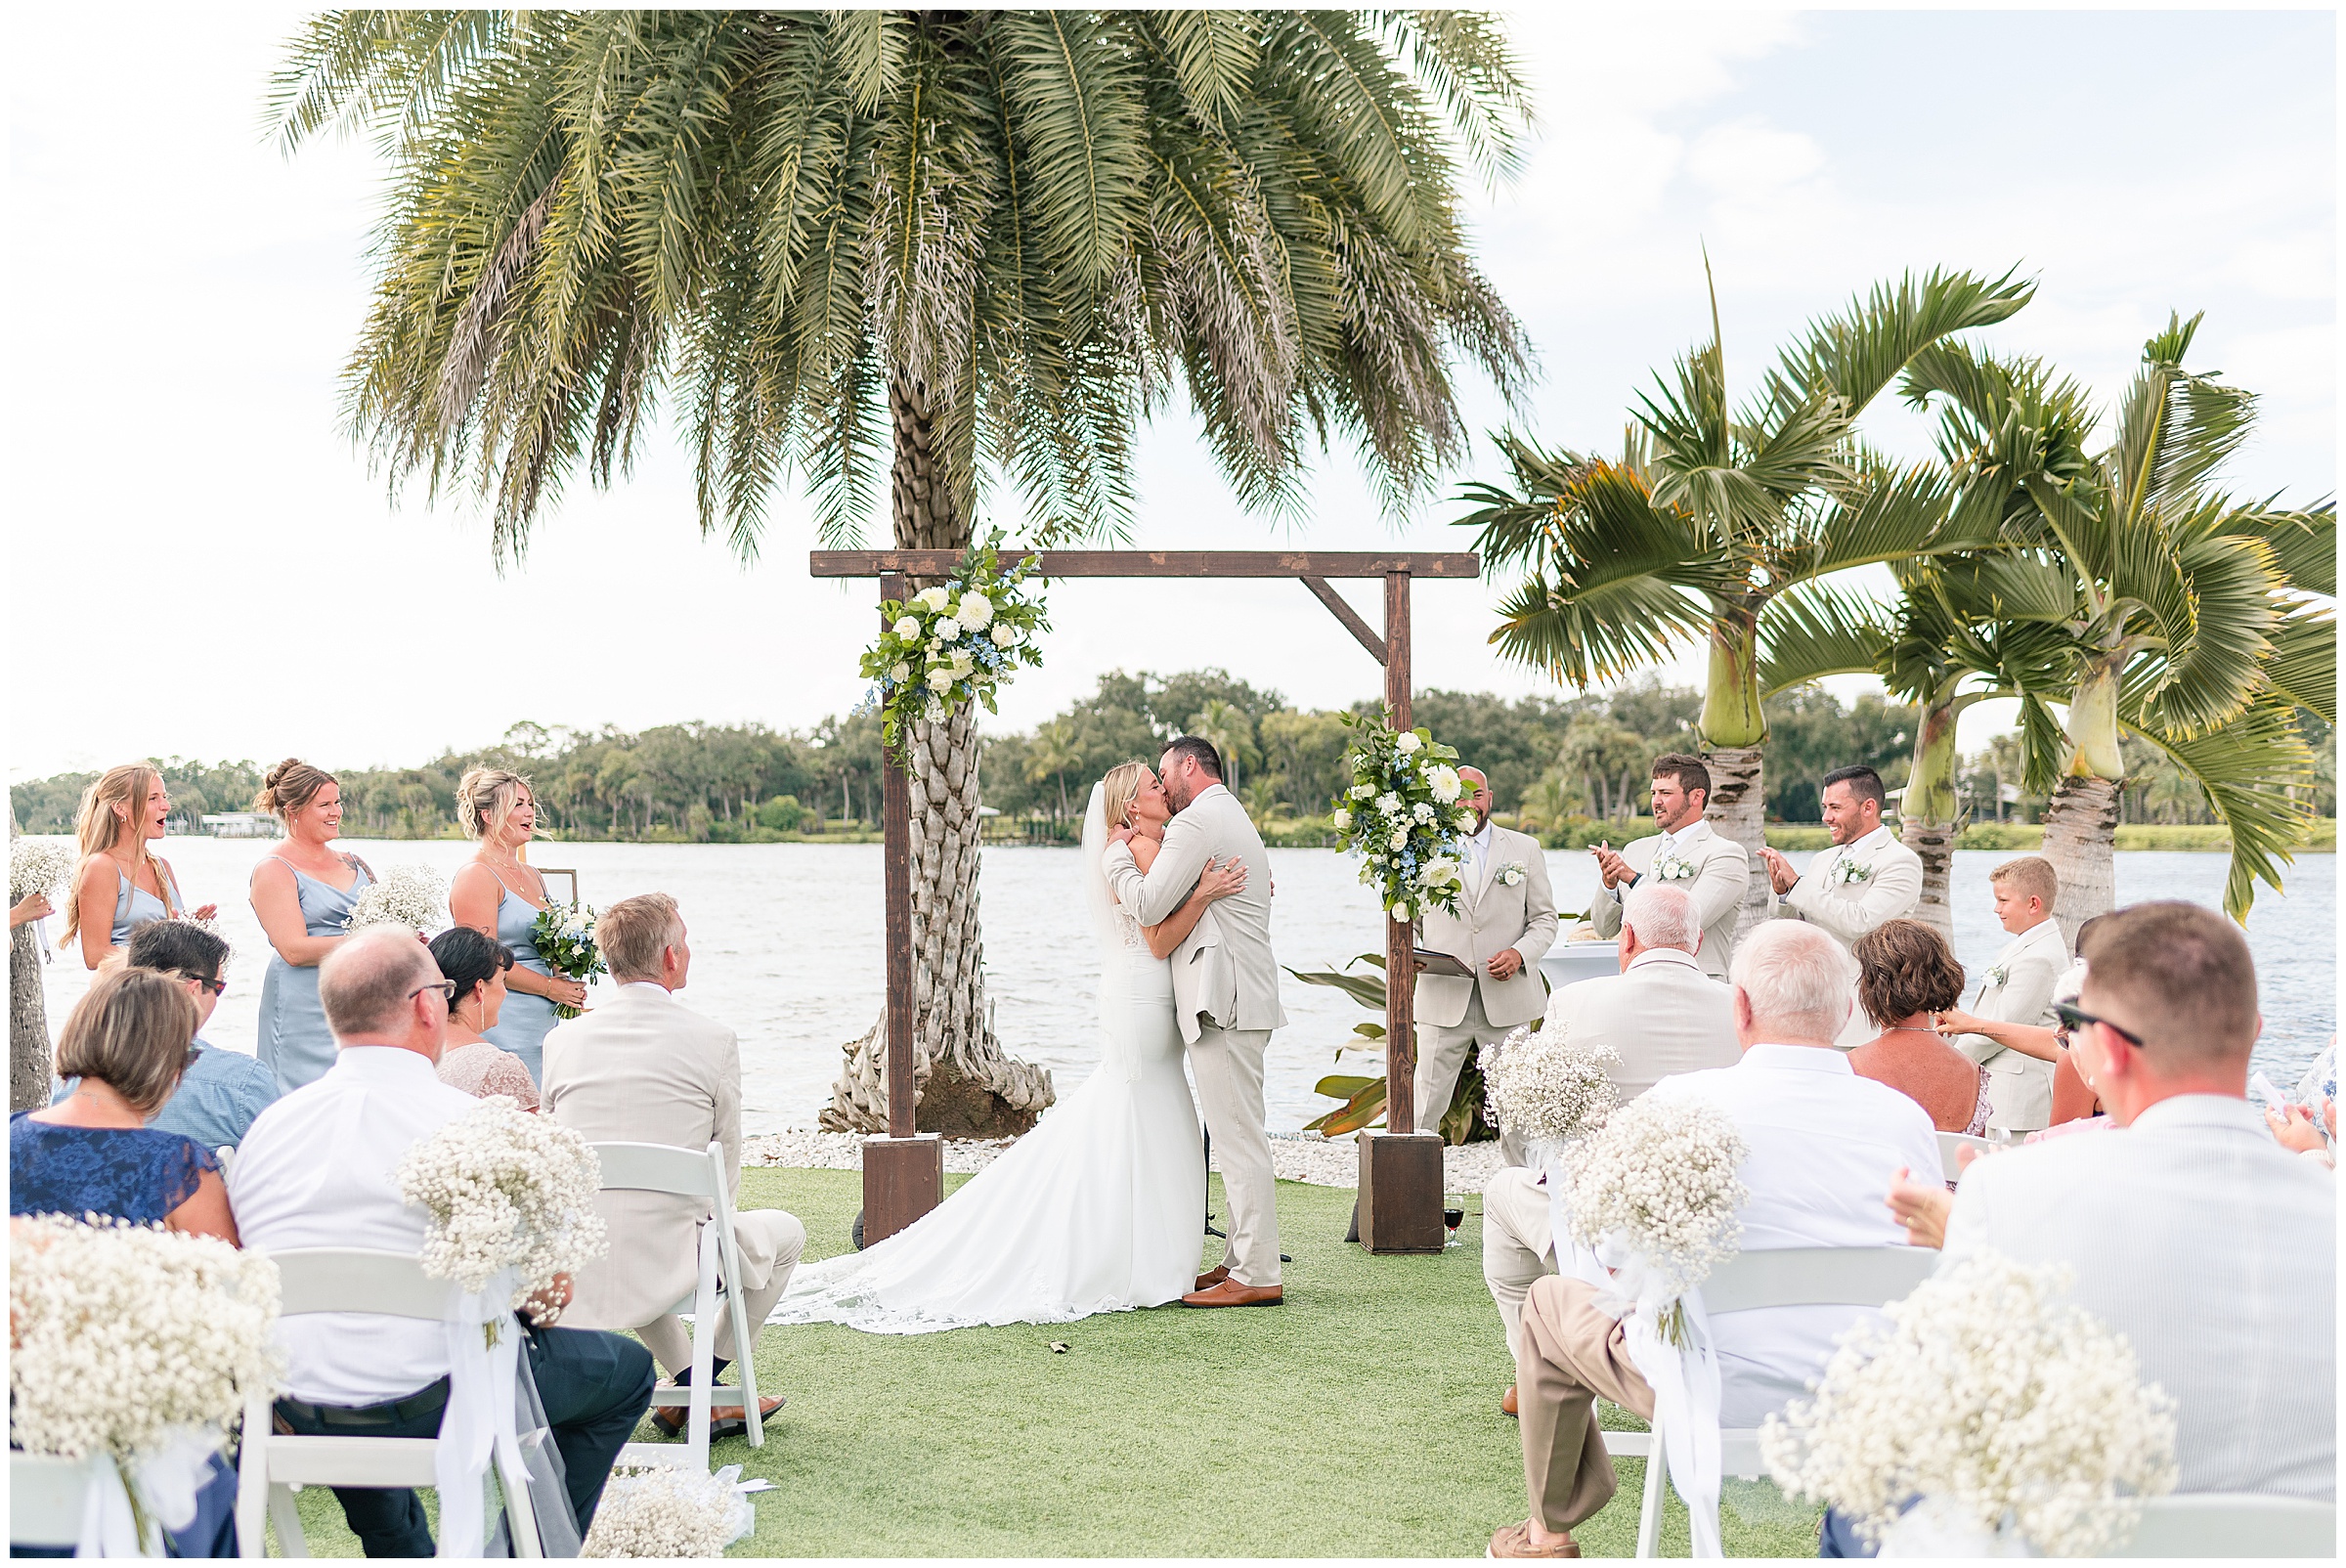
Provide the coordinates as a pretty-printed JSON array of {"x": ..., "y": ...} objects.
[{"x": 2189, "y": 1230}]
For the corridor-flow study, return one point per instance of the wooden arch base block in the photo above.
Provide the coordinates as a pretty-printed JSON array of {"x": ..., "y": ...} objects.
[
  {"x": 1401, "y": 1192},
  {"x": 903, "y": 1179}
]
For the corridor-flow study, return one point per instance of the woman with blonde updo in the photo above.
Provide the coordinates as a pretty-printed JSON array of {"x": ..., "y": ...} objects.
[
  {"x": 499, "y": 896},
  {"x": 119, "y": 883},
  {"x": 302, "y": 892}
]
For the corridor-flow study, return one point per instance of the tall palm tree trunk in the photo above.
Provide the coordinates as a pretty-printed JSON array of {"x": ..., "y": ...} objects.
[
  {"x": 2081, "y": 822},
  {"x": 1734, "y": 731},
  {"x": 967, "y": 1087},
  {"x": 1927, "y": 822},
  {"x": 28, "y": 1055}
]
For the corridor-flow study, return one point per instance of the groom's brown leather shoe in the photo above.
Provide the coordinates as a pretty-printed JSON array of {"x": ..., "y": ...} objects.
[
  {"x": 1230, "y": 1293},
  {"x": 1213, "y": 1277},
  {"x": 1506, "y": 1402}
]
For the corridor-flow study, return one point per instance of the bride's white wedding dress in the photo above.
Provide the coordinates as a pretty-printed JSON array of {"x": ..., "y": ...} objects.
[{"x": 1100, "y": 1208}]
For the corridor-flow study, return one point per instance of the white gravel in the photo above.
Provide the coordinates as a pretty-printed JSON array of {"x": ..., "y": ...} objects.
[{"x": 1296, "y": 1156}]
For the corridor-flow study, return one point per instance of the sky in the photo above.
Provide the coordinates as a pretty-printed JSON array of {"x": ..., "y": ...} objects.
[{"x": 203, "y": 565}]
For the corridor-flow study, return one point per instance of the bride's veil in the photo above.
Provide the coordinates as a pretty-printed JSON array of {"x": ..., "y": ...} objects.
[{"x": 1100, "y": 901}]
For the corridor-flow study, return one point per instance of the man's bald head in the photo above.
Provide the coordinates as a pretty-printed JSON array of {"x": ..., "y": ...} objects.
[{"x": 368, "y": 986}]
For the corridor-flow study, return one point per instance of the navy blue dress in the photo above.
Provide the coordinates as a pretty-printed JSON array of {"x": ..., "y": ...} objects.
[{"x": 136, "y": 1174}]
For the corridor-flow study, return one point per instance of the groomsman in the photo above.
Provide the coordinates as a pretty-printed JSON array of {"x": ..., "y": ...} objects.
[
  {"x": 2018, "y": 989},
  {"x": 1870, "y": 877},
  {"x": 1506, "y": 921},
  {"x": 1713, "y": 870}
]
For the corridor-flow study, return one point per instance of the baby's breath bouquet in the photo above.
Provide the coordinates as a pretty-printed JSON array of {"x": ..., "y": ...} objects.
[
  {"x": 507, "y": 1192},
  {"x": 1653, "y": 1195},
  {"x": 38, "y": 865},
  {"x": 564, "y": 937},
  {"x": 954, "y": 642},
  {"x": 1402, "y": 816},
  {"x": 664, "y": 1511},
  {"x": 2019, "y": 1422},
  {"x": 1544, "y": 1088},
  {"x": 135, "y": 1343},
  {"x": 409, "y": 896}
]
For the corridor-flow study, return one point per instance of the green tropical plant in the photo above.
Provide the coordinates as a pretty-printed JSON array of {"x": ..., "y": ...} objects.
[
  {"x": 1230, "y": 729},
  {"x": 918, "y": 248},
  {"x": 1056, "y": 751},
  {"x": 1708, "y": 517},
  {"x": 1465, "y": 1121}
]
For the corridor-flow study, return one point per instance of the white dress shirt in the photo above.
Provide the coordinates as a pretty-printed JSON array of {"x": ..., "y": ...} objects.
[
  {"x": 1824, "y": 1143},
  {"x": 2214, "y": 1252},
  {"x": 316, "y": 1172},
  {"x": 1480, "y": 844}
]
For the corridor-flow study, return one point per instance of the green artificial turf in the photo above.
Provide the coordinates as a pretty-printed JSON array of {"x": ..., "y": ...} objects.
[{"x": 1359, "y": 1420}]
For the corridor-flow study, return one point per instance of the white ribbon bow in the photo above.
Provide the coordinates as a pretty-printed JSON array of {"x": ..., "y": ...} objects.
[
  {"x": 484, "y": 1345},
  {"x": 167, "y": 1481}
]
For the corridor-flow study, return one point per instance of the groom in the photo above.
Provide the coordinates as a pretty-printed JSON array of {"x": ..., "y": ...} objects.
[{"x": 1226, "y": 994}]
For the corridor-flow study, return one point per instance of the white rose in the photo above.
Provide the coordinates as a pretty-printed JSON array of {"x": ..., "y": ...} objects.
[
  {"x": 908, "y": 627},
  {"x": 963, "y": 664},
  {"x": 1464, "y": 822},
  {"x": 1342, "y": 820},
  {"x": 1406, "y": 742},
  {"x": 1005, "y": 636},
  {"x": 1388, "y": 801},
  {"x": 932, "y": 599},
  {"x": 1423, "y": 812},
  {"x": 1400, "y": 839},
  {"x": 940, "y": 678},
  {"x": 901, "y": 673},
  {"x": 976, "y": 612},
  {"x": 1362, "y": 792},
  {"x": 1401, "y": 910}
]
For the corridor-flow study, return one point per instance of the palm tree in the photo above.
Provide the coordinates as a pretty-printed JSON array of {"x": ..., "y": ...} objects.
[
  {"x": 1707, "y": 518},
  {"x": 934, "y": 247},
  {"x": 2185, "y": 609},
  {"x": 1230, "y": 729},
  {"x": 1055, "y": 751}
]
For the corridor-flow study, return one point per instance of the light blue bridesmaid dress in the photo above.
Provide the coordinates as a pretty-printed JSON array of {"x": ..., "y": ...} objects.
[
  {"x": 135, "y": 907},
  {"x": 294, "y": 1041},
  {"x": 523, "y": 1022}
]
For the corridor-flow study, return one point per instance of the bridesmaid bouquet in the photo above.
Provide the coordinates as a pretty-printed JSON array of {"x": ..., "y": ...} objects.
[
  {"x": 2019, "y": 1421},
  {"x": 411, "y": 896},
  {"x": 564, "y": 937},
  {"x": 952, "y": 643},
  {"x": 1402, "y": 816},
  {"x": 505, "y": 1192}
]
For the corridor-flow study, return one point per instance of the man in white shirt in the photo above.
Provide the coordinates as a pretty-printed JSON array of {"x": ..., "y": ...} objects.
[
  {"x": 2186, "y": 1227},
  {"x": 315, "y": 1171},
  {"x": 2018, "y": 989},
  {"x": 1823, "y": 1144},
  {"x": 1686, "y": 854},
  {"x": 645, "y": 1068}
]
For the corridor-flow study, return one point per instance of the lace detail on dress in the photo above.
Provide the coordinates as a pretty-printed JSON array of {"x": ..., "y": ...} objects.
[
  {"x": 132, "y": 1173},
  {"x": 1128, "y": 930}
]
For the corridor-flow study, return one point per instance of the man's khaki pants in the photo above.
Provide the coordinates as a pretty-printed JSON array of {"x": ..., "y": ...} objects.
[
  {"x": 1517, "y": 1247},
  {"x": 770, "y": 1241},
  {"x": 1441, "y": 1057},
  {"x": 1228, "y": 1065},
  {"x": 1570, "y": 1355}
]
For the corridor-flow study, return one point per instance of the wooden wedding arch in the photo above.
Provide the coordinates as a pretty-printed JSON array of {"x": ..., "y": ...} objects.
[{"x": 1401, "y": 1169}]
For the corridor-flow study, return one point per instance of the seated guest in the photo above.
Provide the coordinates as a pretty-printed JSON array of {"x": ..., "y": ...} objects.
[
  {"x": 222, "y": 1090},
  {"x": 476, "y": 965},
  {"x": 1822, "y": 1143},
  {"x": 645, "y": 1068},
  {"x": 124, "y": 1046},
  {"x": 316, "y": 1172},
  {"x": 1906, "y": 972},
  {"x": 1661, "y": 1013},
  {"x": 2189, "y": 1230}
]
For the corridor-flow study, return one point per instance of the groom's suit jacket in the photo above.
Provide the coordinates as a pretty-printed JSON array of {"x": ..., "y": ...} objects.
[
  {"x": 1721, "y": 871},
  {"x": 1493, "y": 914},
  {"x": 1224, "y": 970}
]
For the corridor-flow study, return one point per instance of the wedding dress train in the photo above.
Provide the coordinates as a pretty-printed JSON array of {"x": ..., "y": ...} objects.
[{"x": 1100, "y": 1208}]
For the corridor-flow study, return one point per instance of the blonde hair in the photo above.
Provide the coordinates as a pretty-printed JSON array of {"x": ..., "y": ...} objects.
[
  {"x": 130, "y": 1031},
  {"x": 2032, "y": 876},
  {"x": 291, "y": 785},
  {"x": 99, "y": 830},
  {"x": 634, "y": 932},
  {"x": 1119, "y": 790},
  {"x": 485, "y": 800}
]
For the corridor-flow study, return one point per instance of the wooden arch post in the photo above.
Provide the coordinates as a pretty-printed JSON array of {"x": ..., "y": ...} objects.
[{"x": 1401, "y": 1169}]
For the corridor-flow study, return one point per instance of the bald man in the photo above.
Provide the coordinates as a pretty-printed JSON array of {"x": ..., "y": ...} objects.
[{"x": 1504, "y": 922}]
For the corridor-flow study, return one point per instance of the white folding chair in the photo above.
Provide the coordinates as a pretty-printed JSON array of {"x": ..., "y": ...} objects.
[
  {"x": 687, "y": 1173},
  {"x": 2233, "y": 1524},
  {"x": 1949, "y": 1161},
  {"x": 350, "y": 1279},
  {"x": 1785, "y": 1277},
  {"x": 44, "y": 1500},
  {"x": 226, "y": 1153}
]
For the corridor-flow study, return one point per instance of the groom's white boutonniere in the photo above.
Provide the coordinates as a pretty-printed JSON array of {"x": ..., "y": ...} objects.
[
  {"x": 1510, "y": 874},
  {"x": 1846, "y": 872},
  {"x": 1997, "y": 974},
  {"x": 1673, "y": 868}
]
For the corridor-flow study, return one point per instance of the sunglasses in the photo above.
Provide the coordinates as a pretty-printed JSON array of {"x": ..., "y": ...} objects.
[
  {"x": 2074, "y": 1018},
  {"x": 216, "y": 987}
]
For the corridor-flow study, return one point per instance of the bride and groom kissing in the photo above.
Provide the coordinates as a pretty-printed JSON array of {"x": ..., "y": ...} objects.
[{"x": 1101, "y": 1207}]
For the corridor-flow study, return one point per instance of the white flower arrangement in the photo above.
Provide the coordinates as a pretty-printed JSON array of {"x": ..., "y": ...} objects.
[
  {"x": 663, "y": 1510},
  {"x": 1673, "y": 867},
  {"x": 126, "y": 1339},
  {"x": 953, "y": 642},
  {"x": 1396, "y": 816},
  {"x": 564, "y": 937},
  {"x": 1847, "y": 873},
  {"x": 38, "y": 865},
  {"x": 1997, "y": 974},
  {"x": 409, "y": 896},
  {"x": 1655, "y": 1194},
  {"x": 505, "y": 1190},
  {"x": 1543, "y": 1087},
  {"x": 1509, "y": 875},
  {"x": 2004, "y": 1410}
]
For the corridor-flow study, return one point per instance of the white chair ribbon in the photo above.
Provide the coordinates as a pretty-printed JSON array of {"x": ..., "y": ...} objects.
[
  {"x": 484, "y": 1344},
  {"x": 167, "y": 1480}
]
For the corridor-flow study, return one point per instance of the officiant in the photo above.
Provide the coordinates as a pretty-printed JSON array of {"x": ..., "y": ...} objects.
[{"x": 1505, "y": 922}]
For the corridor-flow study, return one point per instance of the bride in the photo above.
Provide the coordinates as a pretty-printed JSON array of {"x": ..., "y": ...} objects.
[{"x": 1100, "y": 1208}]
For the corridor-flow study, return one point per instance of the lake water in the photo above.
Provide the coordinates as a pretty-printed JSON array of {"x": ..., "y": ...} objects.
[{"x": 786, "y": 945}]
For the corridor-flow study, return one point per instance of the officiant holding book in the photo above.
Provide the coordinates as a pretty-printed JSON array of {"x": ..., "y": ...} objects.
[{"x": 1505, "y": 922}]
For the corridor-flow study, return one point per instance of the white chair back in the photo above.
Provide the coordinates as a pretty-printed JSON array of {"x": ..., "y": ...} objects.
[
  {"x": 44, "y": 1500},
  {"x": 336, "y": 1278},
  {"x": 1950, "y": 1144},
  {"x": 2233, "y": 1524}
]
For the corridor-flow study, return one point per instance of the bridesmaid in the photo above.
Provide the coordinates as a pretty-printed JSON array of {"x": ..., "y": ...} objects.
[
  {"x": 302, "y": 891},
  {"x": 500, "y": 897},
  {"x": 121, "y": 884}
]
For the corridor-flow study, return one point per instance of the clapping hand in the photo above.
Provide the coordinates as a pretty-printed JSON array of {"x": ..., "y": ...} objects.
[
  {"x": 1780, "y": 875},
  {"x": 206, "y": 911},
  {"x": 1611, "y": 868},
  {"x": 1923, "y": 1206}
]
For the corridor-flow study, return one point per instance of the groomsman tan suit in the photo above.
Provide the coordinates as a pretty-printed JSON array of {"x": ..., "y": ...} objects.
[
  {"x": 1226, "y": 994},
  {"x": 645, "y": 1068},
  {"x": 2019, "y": 1087},
  {"x": 1711, "y": 868},
  {"x": 1868, "y": 878},
  {"x": 1505, "y": 905}
]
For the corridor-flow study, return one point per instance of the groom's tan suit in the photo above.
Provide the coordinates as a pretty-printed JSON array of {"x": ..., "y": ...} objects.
[{"x": 1226, "y": 996}]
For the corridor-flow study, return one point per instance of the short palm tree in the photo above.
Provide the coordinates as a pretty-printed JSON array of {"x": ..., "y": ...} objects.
[
  {"x": 1055, "y": 751},
  {"x": 1231, "y": 728},
  {"x": 924, "y": 248},
  {"x": 2190, "y": 614},
  {"x": 1707, "y": 518}
]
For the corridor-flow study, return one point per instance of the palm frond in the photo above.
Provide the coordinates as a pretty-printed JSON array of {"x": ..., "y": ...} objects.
[
  {"x": 1815, "y": 630},
  {"x": 1853, "y": 355},
  {"x": 2304, "y": 667},
  {"x": 2254, "y": 773}
]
